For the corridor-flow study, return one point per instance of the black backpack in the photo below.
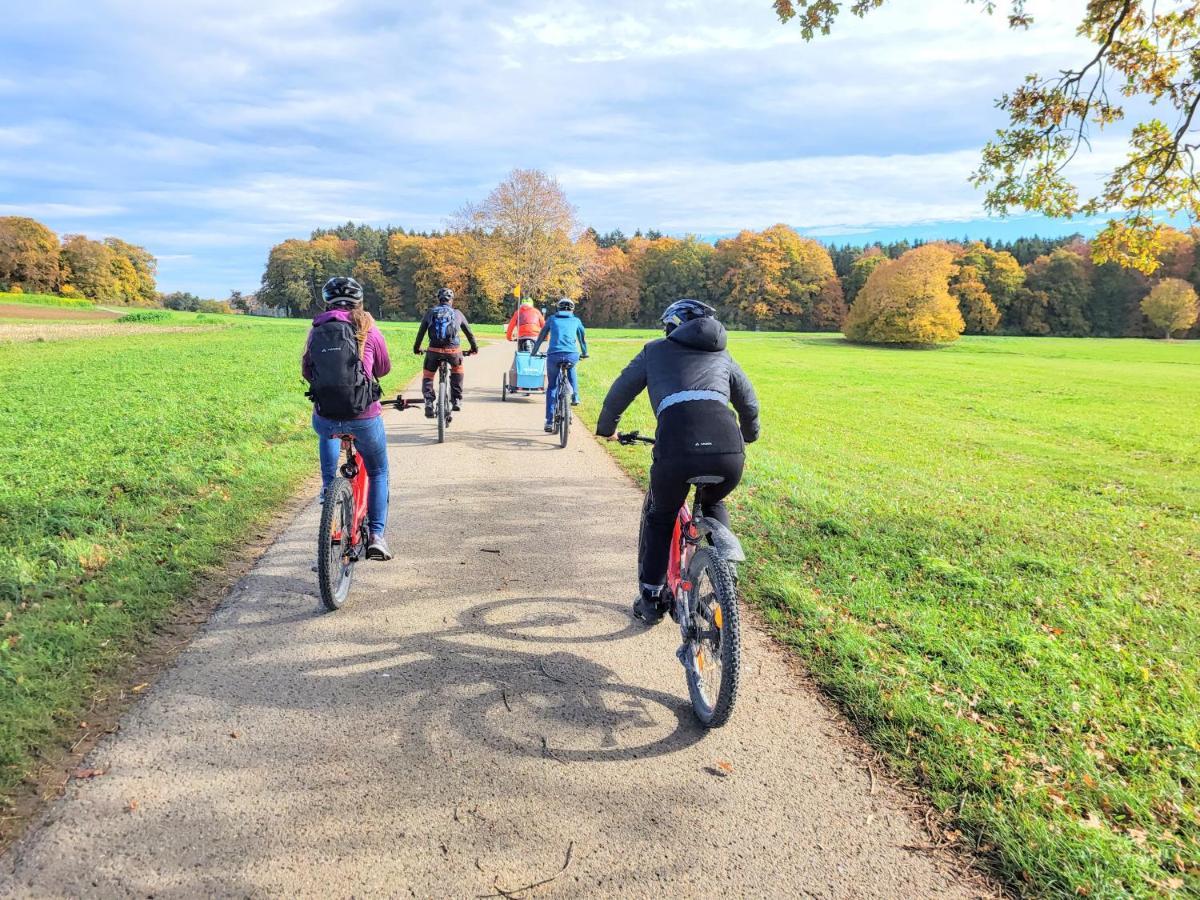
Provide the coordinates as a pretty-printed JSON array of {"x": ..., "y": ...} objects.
[
  {"x": 443, "y": 325},
  {"x": 339, "y": 387}
]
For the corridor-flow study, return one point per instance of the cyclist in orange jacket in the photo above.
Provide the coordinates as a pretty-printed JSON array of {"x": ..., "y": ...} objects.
[{"x": 527, "y": 324}]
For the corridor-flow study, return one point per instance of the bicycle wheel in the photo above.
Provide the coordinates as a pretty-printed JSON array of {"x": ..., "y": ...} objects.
[
  {"x": 443, "y": 407},
  {"x": 564, "y": 410},
  {"x": 712, "y": 658},
  {"x": 334, "y": 540}
]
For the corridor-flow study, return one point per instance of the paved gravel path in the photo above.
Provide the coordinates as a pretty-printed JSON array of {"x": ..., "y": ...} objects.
[{"x": 470, "y": 720}]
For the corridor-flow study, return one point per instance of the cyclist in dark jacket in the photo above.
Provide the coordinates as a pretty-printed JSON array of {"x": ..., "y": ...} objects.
[
  {"x": 691, "y": 380},
  {"x": 448, "y": 347}
]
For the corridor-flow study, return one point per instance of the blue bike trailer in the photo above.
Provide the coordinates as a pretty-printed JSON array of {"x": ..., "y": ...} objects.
[{"x": 531, "y": 372}]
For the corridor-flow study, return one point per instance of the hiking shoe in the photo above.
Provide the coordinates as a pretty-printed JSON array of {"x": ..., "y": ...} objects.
[
  {"x": 429, "y": 409},
  {"x": 378, "y": 549},
  {"x": 574, "y": 401},
  {"x": 549, "y": 428},
  {"x": 649, "y": 607},
  {"x": 456, "y": 406}
]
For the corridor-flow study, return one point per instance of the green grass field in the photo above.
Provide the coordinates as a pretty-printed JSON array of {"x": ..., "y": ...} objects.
[
  {"x": 132, "y": 466},
  {"x": 990, "y": 555}
]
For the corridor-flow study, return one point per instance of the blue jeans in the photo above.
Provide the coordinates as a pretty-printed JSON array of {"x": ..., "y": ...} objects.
[
  {"x": 371, "y": 441},
  {"x": 552, "y": 361}
]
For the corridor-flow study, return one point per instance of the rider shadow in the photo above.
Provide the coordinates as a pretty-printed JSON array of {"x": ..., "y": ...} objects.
[
  {"x": 474, "y": 680},
  {"x": 509, "y": 439}
]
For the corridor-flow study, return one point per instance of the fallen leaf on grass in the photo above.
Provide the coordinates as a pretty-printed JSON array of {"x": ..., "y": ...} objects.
[{"x": 138, "y": 688}]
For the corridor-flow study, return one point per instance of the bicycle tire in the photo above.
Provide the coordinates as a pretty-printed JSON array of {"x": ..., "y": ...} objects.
[
  {"x": 504, "y": 388},
  {"x": 564, "y": 409},
  {"x": 443, "y": 405},
  {"x": 714, "y": 711},
  {"x": 334, "y": 573}
]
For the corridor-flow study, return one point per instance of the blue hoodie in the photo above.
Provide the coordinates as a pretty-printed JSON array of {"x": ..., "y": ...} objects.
[{"x": 566, "y": 332}]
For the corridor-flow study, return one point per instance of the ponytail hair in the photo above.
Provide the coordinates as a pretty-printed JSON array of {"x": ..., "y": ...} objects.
[{"x": 363, "y": 322}]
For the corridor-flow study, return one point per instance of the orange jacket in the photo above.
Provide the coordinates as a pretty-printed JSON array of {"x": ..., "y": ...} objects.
[{"x": 527, "y": 321}]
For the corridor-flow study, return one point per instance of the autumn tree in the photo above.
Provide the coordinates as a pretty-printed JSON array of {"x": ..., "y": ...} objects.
[
  {"x": 297, "y": 270},
  {"x": 138, "y": 277},
  {"x": 1001, "y": 274},
  {"x": 978, "y": 310},
  {"x": 907, "y": 301},
  {"x": 1145, "y": 54},
  {"x": 829, "y": 308},
  {"x": 860, "y": 271},
  {"x": 1058, "y": 294},
  {"x": 289, "y": 281},
  {"x": 772, "y": 278},
  {"x": 523, "y": 233},
  {"x": 1171, "y": 305},
  {"x": 611, "y": 288},
  {"x": 29, "y": 255},
  {"x": 91, "y": 267},
  {"x": 419, "y": 267},
  {"x": 670, "y": 269}
]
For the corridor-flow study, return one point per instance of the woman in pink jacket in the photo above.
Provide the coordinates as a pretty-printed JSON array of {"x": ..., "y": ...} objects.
[{"x": 344, "y": 358}]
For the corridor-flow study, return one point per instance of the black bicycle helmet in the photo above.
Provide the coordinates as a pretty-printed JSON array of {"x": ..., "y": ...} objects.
[
  {"x": 684, "y": 311},
  {"x": 445, "y": 295},
  {"x": 342, "y": 291},
  {"x": 566, "y": 304}
]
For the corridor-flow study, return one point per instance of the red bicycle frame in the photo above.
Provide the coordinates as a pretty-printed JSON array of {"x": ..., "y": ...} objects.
[
  {"x": 355, "y": 471},
  {"x": 683, "y": 545}
]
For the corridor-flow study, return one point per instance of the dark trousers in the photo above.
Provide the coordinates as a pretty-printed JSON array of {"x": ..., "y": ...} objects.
[
  {"x": 432, "y": 361},
  {"x": 668, "y": 489}
]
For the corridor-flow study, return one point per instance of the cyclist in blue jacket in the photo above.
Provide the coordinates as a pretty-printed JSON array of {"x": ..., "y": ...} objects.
[{"x": 568, "y": 342}]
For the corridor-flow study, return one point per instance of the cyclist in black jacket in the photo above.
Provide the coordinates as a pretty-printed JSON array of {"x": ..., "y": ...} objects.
[
  {"x": 443, "y": 323},
  {"x": 691, "y": 380}
]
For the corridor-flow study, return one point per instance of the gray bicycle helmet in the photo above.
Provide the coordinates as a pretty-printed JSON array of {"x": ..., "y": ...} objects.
[
  {"x": 566, "y": 304},
  {"x": 342, "y": 291},
  {"x": 685, "y": 311}
]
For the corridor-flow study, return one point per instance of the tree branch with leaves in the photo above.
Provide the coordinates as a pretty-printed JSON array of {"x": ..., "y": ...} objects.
[{"x": 1146, "y": 50}]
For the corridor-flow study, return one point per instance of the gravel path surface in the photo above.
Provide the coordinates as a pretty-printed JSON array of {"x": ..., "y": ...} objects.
[{"x": 481, "y": 712}]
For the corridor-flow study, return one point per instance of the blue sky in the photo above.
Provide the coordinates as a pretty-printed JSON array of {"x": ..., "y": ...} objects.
[{"x": 208, "y": 131}]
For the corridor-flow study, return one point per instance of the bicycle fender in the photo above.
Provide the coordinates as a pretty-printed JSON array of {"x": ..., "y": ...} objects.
[{"x": 724, "y": 540}]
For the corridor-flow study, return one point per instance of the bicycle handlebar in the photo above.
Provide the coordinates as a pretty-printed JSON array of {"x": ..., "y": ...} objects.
[
  {"x": 403, "y": 403},
  {"x": 632, "y": 437}
]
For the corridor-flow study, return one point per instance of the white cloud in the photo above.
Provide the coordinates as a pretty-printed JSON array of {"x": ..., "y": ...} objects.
[
  {"x": 209, "y": 131},
  {"x": 60, "y": 210}
]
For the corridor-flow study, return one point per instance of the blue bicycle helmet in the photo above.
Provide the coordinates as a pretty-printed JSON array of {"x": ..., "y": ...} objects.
[{"x": 685, "y": 311}]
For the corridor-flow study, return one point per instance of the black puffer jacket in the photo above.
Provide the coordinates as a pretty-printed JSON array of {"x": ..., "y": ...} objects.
[{"x": 691, "y": 359}]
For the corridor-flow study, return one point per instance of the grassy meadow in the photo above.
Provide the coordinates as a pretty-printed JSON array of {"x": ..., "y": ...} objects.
[
  {"x": 133, "y": 464},
  {"x": 990, "y": 555}
]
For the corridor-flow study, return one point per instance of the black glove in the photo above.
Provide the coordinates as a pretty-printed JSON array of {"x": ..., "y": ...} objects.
[{"x": 417, "y": 351}]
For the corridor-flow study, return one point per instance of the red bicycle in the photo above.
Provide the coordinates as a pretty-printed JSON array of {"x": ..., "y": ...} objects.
[
  {"x": 702, "y": 587},
  {"x": 343, "y": 536}
]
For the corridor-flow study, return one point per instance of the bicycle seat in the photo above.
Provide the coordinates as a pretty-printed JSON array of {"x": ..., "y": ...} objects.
[
  {"x": 706, "y": 479},
  {"x": 343, "y": 437}
]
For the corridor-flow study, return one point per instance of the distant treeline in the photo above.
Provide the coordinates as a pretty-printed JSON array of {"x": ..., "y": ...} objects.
[
  {"x": 34, "y": 260},
  {"x": 770, "y": 279}
]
